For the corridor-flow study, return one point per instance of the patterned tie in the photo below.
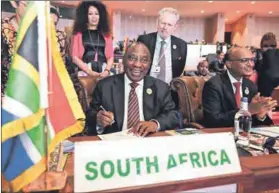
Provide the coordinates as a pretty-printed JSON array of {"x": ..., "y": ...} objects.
[
  {"x": 133, "y": 106},
  {"x": 162, "y": 62},
  {"x": 237, "y": 93}
]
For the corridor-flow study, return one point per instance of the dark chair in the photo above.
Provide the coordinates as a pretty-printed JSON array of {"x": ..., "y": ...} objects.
[{"x": 189, "y": 89}]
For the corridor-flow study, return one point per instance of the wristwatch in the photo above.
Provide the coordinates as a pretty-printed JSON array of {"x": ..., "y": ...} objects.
[{"x": 107, "y": 71}]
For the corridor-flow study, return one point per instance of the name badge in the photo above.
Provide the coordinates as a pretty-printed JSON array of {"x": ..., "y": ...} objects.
[{"x": 157, "y": 69}]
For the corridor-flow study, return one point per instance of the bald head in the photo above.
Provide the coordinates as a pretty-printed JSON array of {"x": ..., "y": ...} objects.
[
  {"x": 240, "y": 62},
  {"x": 238, "y": 52},
  {"x": 136, "y": 61}
]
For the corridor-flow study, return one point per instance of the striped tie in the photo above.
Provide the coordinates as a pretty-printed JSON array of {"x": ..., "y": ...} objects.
[
  {"x": 162, "y": 62},
  {"x": 133, "y": 106}
]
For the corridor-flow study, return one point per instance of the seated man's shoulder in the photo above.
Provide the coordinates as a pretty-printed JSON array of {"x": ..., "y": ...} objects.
[
  {"x": 215, "y": 81},
  {"x": 159, "y": 83}
]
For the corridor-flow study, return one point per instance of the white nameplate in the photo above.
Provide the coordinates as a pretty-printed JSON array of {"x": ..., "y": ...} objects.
[{"x": 102, "y": 165}]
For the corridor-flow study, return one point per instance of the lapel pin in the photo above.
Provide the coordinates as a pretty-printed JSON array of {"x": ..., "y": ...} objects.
[
  {"x": 179, "y": 58},
  {"x": 246, "y": 91},
  {"x": 174, "y": 46},
  {"x": 149, "y": 91}
]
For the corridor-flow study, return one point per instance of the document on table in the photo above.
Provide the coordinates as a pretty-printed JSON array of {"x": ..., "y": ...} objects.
[
  {"x": 266, "y": 131},
  {"x": 118, "y": 136}
]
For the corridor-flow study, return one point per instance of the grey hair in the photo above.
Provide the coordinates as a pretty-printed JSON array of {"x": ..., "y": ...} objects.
[{"x": 169, "y": 10}]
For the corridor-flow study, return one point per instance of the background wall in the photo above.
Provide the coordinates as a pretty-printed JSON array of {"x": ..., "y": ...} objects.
[
  {"x": 263, "y": 25},
  {"x": 249, "y": 29},
  {"x": 132, "y": 26},
  {"x": 239, "y": 32}
]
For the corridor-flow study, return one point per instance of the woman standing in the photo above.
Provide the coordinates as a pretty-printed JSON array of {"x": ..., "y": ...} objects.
[
  {"x": 92, "y": 49},
  {"x": 269, "y": 66}
]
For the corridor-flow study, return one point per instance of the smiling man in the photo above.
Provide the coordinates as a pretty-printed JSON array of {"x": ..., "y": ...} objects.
[
  {"x": 132, "y": 100},
  {"x": 222, "y": 93},
  {"x": 168, "y": 53}
]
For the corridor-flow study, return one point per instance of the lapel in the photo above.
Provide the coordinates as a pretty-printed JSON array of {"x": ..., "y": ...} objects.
[
  {"x": 174, "y": 52},
  {"x": 245, "y": 90},
  {"x": 149, "y": 95},
  {"x": 228, "y": 90},
  {"x": 118, "y": 99},
  {"x": 153, "y": 45}
]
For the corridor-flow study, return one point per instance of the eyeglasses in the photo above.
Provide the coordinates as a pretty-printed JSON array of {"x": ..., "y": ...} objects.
[
  {"x": 269, "y": 46},
  {"x": 244, "y": 60},
  {"x": 269, "y": 145},
  {"x": 133, "y": 58}
]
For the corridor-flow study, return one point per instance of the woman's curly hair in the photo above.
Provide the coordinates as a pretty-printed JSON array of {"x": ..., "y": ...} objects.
[{"x": 81, "y": 19}]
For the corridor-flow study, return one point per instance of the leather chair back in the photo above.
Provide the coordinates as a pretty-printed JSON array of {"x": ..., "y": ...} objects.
[
  {"x": 88, "y": 83},
  {"x": 189, "y": 90},
  {"x": 275, "y": 95}
]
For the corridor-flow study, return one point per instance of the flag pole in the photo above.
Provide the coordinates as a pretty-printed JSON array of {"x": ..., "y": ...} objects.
[{"x": 43, "y": 59}]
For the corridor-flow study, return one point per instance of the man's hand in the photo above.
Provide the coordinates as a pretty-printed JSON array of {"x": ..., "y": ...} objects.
[
  {"x": 143, "y": 128},
  {"x": 261, "y": 105},
  {"x": 104, "y": 118}
]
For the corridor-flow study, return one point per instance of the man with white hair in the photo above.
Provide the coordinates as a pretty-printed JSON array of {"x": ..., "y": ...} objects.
[{"x": 168, "y": 53}]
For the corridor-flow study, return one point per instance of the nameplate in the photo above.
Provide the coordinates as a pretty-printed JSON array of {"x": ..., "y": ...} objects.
[{"x": 102, "y": 165}]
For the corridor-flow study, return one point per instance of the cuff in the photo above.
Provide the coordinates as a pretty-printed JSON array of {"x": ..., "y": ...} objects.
[
  {"x": 99, "y": 129},
  {"x": 158, "y": 124}
]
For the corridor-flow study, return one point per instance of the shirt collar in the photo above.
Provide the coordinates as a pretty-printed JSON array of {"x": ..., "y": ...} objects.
[
  {"x": 232, "y": 79},
  {"x": 128, "y": 81},
  {"x": 159, "y": 39}
]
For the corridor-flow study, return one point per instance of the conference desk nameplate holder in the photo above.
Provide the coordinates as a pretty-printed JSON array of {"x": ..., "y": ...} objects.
[{"x": 146, "y": 161}]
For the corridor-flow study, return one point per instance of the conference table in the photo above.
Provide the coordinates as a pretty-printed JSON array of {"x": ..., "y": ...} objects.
[{"x": 259, "y": 174}]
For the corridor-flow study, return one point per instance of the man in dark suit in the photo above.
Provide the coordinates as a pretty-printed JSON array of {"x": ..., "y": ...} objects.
[
  {"x": 218, "y": 64},
  {"x": 219, "y": 93},
  {"x": 132, "y": 100},
  {"x": 168, "y": 53},
  {"x": 202, "y": 71}
]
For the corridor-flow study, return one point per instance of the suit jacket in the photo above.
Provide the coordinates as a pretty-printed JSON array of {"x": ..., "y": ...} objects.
[
  {"x": 178, "y": 51},
  {"x": 219, "y": 105},
  {"x": 109, "y": 93},
  {"x": 216, "y": 66}
]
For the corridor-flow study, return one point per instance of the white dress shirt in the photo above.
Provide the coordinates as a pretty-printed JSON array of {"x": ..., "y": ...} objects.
[
  {"x": 233, "y": 80},
  {"x": 155, "y": 63},
  {"x": 139, "y": 93}
]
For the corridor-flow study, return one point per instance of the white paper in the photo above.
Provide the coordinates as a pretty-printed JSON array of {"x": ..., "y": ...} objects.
[
  {"x": 118, "y": 136},
  {"x": 266, "y": 131}
]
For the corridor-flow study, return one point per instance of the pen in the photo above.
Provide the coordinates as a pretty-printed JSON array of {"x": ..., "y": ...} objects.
[{"x": 106, "y": 111}]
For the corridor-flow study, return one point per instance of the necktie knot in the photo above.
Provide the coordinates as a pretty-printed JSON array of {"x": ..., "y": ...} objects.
[
  {"x": 163, "y": 42},
  {"x": 237, "y": 85},
  {"x": 134, "y": 85}
]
